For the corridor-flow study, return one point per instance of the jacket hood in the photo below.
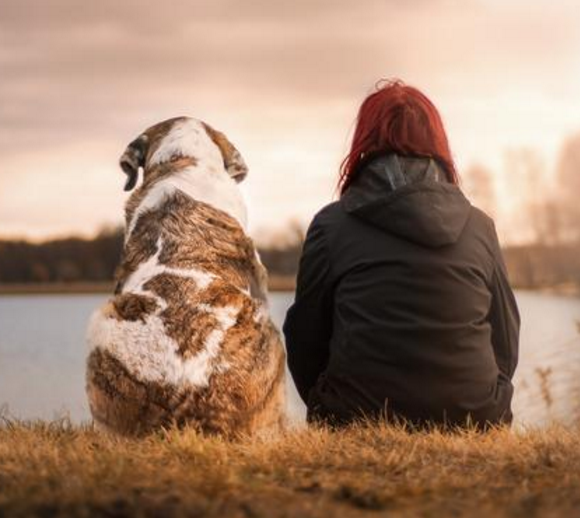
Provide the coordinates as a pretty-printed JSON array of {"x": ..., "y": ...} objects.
[{"x": 409, "y": 197}]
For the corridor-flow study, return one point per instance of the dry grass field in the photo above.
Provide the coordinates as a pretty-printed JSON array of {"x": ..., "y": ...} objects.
[{"x": 56, "y": 469}]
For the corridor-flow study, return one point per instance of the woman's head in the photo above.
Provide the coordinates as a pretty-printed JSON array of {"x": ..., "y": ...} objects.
[{"x": 397, "y": 118}]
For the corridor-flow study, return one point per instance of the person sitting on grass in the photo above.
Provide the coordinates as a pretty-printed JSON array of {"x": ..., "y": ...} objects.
[{"x": 403, "y": 309}]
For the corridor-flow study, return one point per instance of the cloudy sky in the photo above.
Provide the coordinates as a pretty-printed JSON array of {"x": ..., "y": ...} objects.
[{"x": 283, "y": 79}]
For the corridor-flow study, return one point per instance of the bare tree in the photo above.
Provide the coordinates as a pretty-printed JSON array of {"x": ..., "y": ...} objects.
[
  {"x": 528, "y": 190},
  {"x": 479, "y": 185},
  {"x": 568, "y": 177}
]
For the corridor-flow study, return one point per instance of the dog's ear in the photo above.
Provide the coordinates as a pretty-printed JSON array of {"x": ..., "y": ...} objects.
[
  {"x": 133, "y": 158},
  {"x": 233, "y": 161}
]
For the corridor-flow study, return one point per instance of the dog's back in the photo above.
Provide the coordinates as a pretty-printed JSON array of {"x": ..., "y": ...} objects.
[{"x": 187, "y": 338}]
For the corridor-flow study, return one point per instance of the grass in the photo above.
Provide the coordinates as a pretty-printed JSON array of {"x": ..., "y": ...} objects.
[{"x": 56, "y": 469}]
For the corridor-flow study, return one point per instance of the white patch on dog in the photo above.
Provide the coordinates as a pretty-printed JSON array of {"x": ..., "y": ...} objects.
[
  {"x": 188, "y": 138},
  {"x": 216, "y": 188},
  {"x": 144, "y": 347},
  {"x": 145, "y": 350},
  {"x": 151, "y": 268}
]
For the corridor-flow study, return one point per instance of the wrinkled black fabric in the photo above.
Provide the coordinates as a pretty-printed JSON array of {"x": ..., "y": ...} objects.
[{"x": 403, "y": 307}]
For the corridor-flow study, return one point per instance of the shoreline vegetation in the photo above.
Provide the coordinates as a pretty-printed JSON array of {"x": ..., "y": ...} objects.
[
  {"x": 81, "y": 265},
  {"x": 276, "y": 283},
  {"x": 57, "y": 469}
]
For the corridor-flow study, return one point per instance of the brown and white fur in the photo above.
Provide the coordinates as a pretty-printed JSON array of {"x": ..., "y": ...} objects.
[{"x": 186, "y": 338}]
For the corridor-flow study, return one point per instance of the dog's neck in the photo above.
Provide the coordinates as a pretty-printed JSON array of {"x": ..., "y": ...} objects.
[{"x": 206, "y": 181}]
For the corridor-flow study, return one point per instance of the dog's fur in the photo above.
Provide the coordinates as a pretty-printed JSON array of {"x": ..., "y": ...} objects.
[{"x": 187, "y": 338}]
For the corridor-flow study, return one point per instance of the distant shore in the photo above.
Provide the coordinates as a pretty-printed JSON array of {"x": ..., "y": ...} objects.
[
  {"x": 568, "y": 289},
  {"x": 275, "y": 283}
]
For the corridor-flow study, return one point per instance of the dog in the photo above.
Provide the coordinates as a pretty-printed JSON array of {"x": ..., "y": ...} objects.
[{"x": 186, "y": 338}]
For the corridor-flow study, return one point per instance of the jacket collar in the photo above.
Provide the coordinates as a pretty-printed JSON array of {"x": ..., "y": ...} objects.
[{"x": 410, "y": 197}]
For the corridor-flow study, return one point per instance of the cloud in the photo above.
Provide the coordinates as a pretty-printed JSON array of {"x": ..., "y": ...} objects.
[
  {"x": 86, "y": 67},
  {"x": 68, "y": 72}
]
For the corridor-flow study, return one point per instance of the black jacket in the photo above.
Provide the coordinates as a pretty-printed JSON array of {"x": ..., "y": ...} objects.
[{"x": 403, "y": 306}]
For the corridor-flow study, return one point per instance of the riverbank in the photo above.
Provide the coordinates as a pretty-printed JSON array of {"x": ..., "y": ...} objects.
[
  {"x": 568, "y": 289},
  {"x": 55, "y": 469},
  {"x": 275, "y": 283}
]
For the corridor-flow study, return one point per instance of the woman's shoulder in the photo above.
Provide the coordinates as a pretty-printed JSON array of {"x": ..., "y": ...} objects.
[
  {"x": 329, "y": 215},
  {"x": 482, "y": 220},
  {"x": 325, "y": 223},
  {"x": 483, "y": 225}
]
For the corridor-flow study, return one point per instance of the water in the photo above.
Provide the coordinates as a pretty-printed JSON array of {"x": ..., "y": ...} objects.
[{"x": 42, "y": 357}]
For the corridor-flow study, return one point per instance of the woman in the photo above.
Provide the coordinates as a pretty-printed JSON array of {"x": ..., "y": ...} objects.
[{"x": 403, "y": 307}]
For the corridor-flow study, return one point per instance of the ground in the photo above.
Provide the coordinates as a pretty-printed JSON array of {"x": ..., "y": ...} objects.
[{"x": 57, "y": 469}]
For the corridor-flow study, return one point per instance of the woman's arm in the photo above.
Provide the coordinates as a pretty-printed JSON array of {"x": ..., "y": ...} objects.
[
  {"x": 504, "y": 317},
  {"x": 308, "y": 324}
]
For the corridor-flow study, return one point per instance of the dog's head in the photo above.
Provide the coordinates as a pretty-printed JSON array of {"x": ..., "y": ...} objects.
[{"x": 178, "y": 139}]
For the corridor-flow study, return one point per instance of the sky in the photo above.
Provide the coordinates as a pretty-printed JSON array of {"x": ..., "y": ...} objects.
[{"x": 283, "y": 79}]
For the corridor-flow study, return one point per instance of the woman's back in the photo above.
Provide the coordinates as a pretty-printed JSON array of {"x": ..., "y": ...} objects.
[{"x": 410, "y": 301}]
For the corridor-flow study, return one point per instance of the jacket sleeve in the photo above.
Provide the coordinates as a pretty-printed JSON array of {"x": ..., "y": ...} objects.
[
  {"x": 308, "y": 324},
  {"x": 504, "y": 316}
]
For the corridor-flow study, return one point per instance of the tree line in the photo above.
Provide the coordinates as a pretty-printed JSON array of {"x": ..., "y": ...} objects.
[
  {"x": 76, "y": 259},
  {"x": 71, "y": 260}
]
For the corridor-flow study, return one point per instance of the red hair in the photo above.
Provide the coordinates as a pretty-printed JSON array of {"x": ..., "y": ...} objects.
[{"x": 397, "y": 118}]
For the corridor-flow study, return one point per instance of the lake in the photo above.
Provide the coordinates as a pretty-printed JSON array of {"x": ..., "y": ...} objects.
[{"x": 42, "y": 357}]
